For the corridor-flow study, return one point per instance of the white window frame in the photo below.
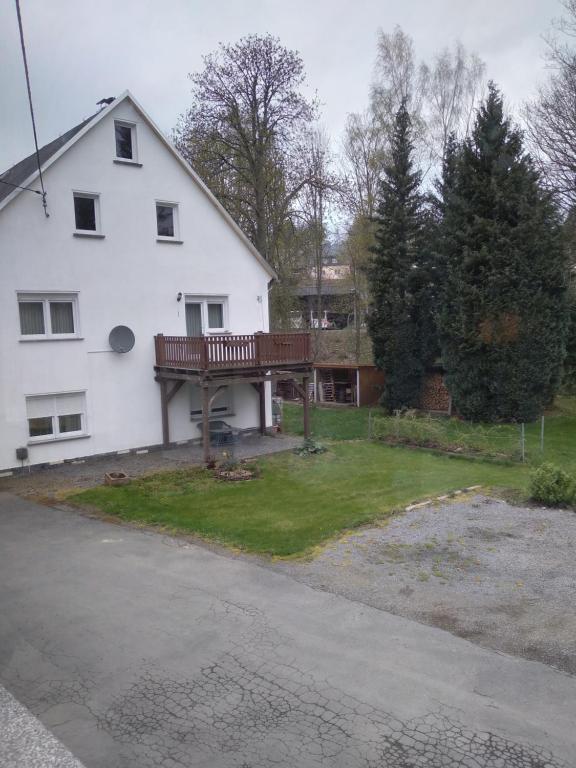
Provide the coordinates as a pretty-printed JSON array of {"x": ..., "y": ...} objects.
[
  {"x": 134, "y": 139},
  {"x": 97, "y": 214},
  {"x": 226, "y": 409},
  {"x": 52, "y": 412},
  {"x": 175, "y": 238},
  {"x": 204, "y": 301},
  {"x": 24, "y": 297}
]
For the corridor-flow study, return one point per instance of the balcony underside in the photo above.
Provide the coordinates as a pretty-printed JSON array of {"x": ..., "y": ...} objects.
[{"x": 234, "y": 375}]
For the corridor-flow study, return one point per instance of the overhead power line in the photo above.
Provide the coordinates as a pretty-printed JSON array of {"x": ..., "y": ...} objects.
[
  {"x": 43, "y": 193},
  {"x": 17, "y": 186}
]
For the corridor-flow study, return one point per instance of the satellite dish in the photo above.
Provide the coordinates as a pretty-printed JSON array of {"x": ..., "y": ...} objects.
[{"x": 121, "y": 338}]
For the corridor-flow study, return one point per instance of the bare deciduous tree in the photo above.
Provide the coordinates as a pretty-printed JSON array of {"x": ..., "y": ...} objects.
[
  {"x": 241, "y": 133},
  {"x": 454, "y": 88},
  {"x": 363, "y": 152},
  {"x": 440, "y": 97},
  {"x": 551, "y": 117}
]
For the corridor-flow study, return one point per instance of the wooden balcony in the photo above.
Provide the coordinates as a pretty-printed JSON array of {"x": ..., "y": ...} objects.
[
  {"x": 212, "y": 362},
  {"x": 211, "y": 354}
]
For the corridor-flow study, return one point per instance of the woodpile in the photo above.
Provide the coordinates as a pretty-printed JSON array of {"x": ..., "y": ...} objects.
[{"x": 434, "y": 395}]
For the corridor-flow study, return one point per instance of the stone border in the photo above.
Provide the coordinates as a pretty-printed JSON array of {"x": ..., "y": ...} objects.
[{"x": 445, "y": 497}]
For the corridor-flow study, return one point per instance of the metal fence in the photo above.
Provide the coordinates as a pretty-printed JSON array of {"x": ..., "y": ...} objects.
[{"x": 508, "y": 442}]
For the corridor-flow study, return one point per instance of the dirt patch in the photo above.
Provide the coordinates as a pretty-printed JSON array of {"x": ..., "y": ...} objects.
[{"x": 499, "y": 575}]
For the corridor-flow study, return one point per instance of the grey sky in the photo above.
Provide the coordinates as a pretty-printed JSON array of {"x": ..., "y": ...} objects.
[{"x": 82, "y": 50}]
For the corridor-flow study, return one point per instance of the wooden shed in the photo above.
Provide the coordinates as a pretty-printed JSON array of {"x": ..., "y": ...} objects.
[{"x": 344, "y": 370}]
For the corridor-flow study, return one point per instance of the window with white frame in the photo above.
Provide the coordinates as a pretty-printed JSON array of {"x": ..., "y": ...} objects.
[
  {"x": 206, "y": 314},
  {"x": 48, "y": 316},
  {"x": 56, "y": 417},
  {"x": 87, "y": 213},
  {"x": 167, "y": 221},
  {"x": 125, "y": 138},
  {"x": 220, "y": 401}
]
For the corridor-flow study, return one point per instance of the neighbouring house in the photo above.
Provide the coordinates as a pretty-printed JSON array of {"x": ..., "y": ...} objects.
[
  {"x": 135, "y": 311},
  {"x": 337, "y": 305}
]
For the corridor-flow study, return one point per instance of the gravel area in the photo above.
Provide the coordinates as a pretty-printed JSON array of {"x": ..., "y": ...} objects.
[
  {"x": 48, "y": 481},
  {"x": 499, "y": 575},
  {"x": 25, "y": 741}
]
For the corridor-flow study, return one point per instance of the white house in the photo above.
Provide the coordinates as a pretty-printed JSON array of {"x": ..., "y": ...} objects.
[{"x": 133, "y": 239}]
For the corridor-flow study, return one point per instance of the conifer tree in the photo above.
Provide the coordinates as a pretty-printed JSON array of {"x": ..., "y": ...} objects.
[
  {"x": 398, "y": 280},
  {"x": 503, "y": 319}
]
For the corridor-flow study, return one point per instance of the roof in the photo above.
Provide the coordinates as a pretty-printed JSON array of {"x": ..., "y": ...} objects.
[
  {"x": 327, "y": 288},
  {"x": 57, "y": 148},
  {"x": 25, "y": 168}
]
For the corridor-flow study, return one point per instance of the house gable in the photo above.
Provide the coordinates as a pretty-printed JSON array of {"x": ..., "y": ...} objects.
[{"x": 117, "y": 110}]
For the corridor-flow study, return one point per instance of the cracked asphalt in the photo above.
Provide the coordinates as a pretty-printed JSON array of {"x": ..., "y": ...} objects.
[{"x": 139, "y": 650}]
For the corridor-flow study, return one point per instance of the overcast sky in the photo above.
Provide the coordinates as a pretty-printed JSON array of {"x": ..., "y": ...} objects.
[{"x": 82, "y": 50}]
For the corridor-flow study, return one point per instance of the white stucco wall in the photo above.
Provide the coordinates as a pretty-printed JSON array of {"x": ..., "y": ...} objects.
[{"x": 126, "y": 278}]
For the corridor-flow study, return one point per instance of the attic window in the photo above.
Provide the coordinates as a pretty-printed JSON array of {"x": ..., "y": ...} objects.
[
  {"x": 167, "y": 222},
  {"x": 86, "y": 213},
  {"x": 125, "y": 135}
]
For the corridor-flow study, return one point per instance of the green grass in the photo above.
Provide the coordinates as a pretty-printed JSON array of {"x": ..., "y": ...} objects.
[
  {"x": 297, "y": 502},
  {"x": 559, "y": 436},
  {"x": 336, "y": 423}
]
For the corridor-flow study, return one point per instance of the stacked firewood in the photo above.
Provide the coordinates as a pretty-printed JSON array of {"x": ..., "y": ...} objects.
[{"x": 434, "y": 395}]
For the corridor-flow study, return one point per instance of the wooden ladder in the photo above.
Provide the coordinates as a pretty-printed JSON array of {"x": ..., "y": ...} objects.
[{"x": 328, "y": 389}]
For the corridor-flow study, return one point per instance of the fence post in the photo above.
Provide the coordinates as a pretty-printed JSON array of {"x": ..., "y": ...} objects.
[
  {"x": 523, "y": 441},
  {"x": 370, "y": 424},
  {"x": 542, "y": 434}
]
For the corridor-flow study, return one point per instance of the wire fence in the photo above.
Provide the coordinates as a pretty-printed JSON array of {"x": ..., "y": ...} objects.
[{"x": 505, "y": 442}]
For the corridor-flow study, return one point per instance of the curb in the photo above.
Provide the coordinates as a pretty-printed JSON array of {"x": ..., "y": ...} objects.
[{"x": 445, "y": 497}]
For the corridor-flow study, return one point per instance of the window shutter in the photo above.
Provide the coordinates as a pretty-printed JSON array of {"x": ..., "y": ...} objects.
[
  {"x": 36, "y": 407},
  {"x": 67, "y": 404}
]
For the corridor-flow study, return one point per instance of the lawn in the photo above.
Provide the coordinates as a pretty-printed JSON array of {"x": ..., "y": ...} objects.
[
  {"x": 328, "y": 423},
  {"x": 297, "y": 502},
  {"x": 352, "y": 423}
]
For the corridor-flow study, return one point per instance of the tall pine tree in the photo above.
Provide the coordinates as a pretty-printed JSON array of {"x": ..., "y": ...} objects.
[
  {"x": 399, "y": 316},
  {"x": 503, "y": 319}
]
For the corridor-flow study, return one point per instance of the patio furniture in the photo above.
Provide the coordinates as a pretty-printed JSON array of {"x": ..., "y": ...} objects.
[{"x": 221, "y": 433}]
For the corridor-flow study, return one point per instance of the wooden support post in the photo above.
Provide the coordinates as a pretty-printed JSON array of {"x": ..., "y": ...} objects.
[
  {"x": 305, "y": 381},
  {"x": 164, "y": 406},
  {"x": 205, "y": 423},
  {"x": 262, "y": 395}
]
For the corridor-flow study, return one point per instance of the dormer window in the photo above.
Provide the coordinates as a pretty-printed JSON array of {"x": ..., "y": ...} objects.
[{"x": 125, "y": 136}]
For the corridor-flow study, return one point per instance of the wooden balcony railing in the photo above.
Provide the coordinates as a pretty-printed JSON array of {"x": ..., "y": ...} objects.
[{"x": 258, "y": 350}]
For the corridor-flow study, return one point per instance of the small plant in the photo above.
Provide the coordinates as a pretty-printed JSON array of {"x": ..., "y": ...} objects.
[
  {"x": 230, "y": 464},
  {"x": 551, "y": 486},
  {"x": 310, "y": 448}
]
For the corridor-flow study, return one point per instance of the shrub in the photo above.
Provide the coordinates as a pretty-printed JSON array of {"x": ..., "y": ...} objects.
[
  {"x": 309, "y": 448},
  {"x": 552, "y": 486}
]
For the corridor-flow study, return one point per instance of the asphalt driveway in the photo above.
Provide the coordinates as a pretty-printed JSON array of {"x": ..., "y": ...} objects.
[{"x": 142, "y": 651}]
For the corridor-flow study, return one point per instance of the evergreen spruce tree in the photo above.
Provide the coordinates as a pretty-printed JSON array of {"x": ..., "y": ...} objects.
[
  {"x": 503, "y": 317},
  {"x": 400, "y": 312}
]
